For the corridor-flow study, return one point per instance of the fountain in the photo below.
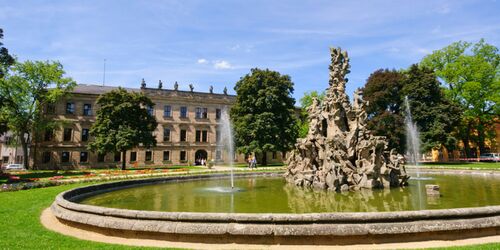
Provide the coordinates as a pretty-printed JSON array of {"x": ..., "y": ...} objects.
[
  {"x": 412, "y": 138},
  {"x": 227, "y": 140},
  {"x": 339, "y": 152}
]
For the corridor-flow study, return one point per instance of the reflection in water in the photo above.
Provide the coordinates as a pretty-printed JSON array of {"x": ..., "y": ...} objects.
[{"x": 264, "y": 195}]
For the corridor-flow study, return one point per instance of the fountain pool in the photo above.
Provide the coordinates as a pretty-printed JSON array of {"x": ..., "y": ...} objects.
[{"x": 272, "y": 195}]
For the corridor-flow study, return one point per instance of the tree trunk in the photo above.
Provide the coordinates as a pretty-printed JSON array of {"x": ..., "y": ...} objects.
[
  {"x": 264, "y": 158},
  {"x": 481, "y": 137},
  {"x": 124, "y": 160},
  {"x": 24, "y": 145},
  {"x": 467, "y": 140}
]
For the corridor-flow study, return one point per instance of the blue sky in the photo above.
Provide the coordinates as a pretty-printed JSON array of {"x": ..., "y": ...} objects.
[{"x": 216, "y": 42}]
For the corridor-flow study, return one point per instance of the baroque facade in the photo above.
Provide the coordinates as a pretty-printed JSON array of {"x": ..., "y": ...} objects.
[{"x": 188, "y": 130}]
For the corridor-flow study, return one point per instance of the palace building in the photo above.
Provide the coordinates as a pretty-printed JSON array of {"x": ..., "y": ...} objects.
[{"x": 188, "y": 130}]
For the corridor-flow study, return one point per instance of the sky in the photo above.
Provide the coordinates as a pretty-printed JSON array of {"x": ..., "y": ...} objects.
[{"x": 217, "y": 42}]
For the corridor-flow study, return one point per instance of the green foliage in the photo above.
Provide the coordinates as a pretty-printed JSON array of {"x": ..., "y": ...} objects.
[
  {"x": 435, "y": 116},
  {"x": 472, "y": 77},
  {"x": 6, "y": 61},
  {"x": 26, "y": 89},
  {"x": 122, "y": 123},
  {"x": 305, "y": 102},
  {"x": 382, "y": 92},
  {"x": 264, "y": 113}
]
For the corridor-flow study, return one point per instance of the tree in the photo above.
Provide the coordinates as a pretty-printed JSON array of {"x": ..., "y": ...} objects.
[
  {"x": 6, "y": 61},
  {"x": 264, "y": 113},
  {"x": 122, "y": 123},
  {"x": 471, "y": 75},
  {"x": 382, "y": 92},
  {"x": 26, "y": 89},
  {"x": 435, "y": 115},
  {"x": 305, "y": 102}
]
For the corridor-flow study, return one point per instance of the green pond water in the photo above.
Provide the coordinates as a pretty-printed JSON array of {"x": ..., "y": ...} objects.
[{"x": 274, "y": 195}]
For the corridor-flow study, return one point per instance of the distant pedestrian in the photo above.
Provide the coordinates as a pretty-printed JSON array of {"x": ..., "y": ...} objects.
[{"x": 254, "y": 162}]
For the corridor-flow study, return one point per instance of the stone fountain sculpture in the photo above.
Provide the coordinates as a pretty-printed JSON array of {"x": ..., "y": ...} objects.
[{"x": 339, "y": 152}]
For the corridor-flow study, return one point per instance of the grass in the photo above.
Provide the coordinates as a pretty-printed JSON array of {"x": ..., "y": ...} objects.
[
  {"x": 462, "y": 165},
  {"x": 21, "y": 228}
]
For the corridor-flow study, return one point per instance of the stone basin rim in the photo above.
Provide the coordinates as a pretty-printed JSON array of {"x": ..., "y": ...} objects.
[{"x": 65, "y": 201}]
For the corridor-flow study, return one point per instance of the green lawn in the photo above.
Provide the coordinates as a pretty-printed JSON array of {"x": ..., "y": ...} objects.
[
  {"x": 462, "y": 165},
  {"x": 21, "y": 227}
]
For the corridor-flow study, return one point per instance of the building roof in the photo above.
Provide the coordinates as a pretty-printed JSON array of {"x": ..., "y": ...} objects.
[{"x": 99, "y": 89}]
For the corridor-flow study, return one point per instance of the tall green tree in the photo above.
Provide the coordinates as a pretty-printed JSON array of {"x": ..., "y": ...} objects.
[
  {"x": 122, "y": 123},
  {"x": 26, "y": 89},
  {"x": 264, "y": 113},
  {"x": 471, "y": 75},
  {"x": 435, "y": 115},
  {"x": 382, "y": 92},
  {"x": 305, "y": 102},
  {"x": 6, "y": 61}
]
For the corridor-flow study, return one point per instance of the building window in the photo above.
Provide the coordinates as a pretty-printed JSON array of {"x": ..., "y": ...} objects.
[
  {"x": 183, "y": 156},
  {"x": 204, "y": 113},
  {"x": 201, "y": 136},
  {"x": 46, "y": 157},
  {"x": 85, "y": 134},
  {"x": 133, "y": 156},
  {"x": 70, "y": 108},
  {"x": 201, "y": 113},
  {"x": 166, "y": 134},
  {"x": 183, "y": 135},
  {"x": 51, "y": 109},
  {"x": 150, "y": 110},
  {"x": 87, "y": 109},
  {"x": 65, "y": 157},
  {"x": 184, "y": 112},
  {"x": 166, "y": 155},
  {"x": 100, "y": 157},
  {"x": 149, "y": 156},
  {"x": 198, "y": 136},
  {"x": 218, "y": 113},
  {"x": 167, "y": 111},
  {"x": 274, "y": 155},
  {"x": 198, "y": 113},
  {"x": 48, "y": 135},
  {"x": 84, "y": 156},
  {"x": 204, "y": 136},
  {"x": 117, "y": 157},
  {"x": 67, "y": 134},
  {"x": 218, "y": 155}
]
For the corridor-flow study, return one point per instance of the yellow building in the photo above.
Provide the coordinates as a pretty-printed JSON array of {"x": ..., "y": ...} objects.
[{"x": 188, "y": 128}]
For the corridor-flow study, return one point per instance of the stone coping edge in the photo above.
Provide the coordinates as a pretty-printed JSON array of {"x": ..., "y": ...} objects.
[{"x": 66, "y": 201}]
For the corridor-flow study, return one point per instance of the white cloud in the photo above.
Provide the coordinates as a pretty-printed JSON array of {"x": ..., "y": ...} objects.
[
  {"x": 221, "y": 64},
  {"x": 202, "y": 61}
]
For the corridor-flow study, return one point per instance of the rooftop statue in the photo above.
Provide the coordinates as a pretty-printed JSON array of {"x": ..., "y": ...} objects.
[{"x": 339, "y": 153}]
